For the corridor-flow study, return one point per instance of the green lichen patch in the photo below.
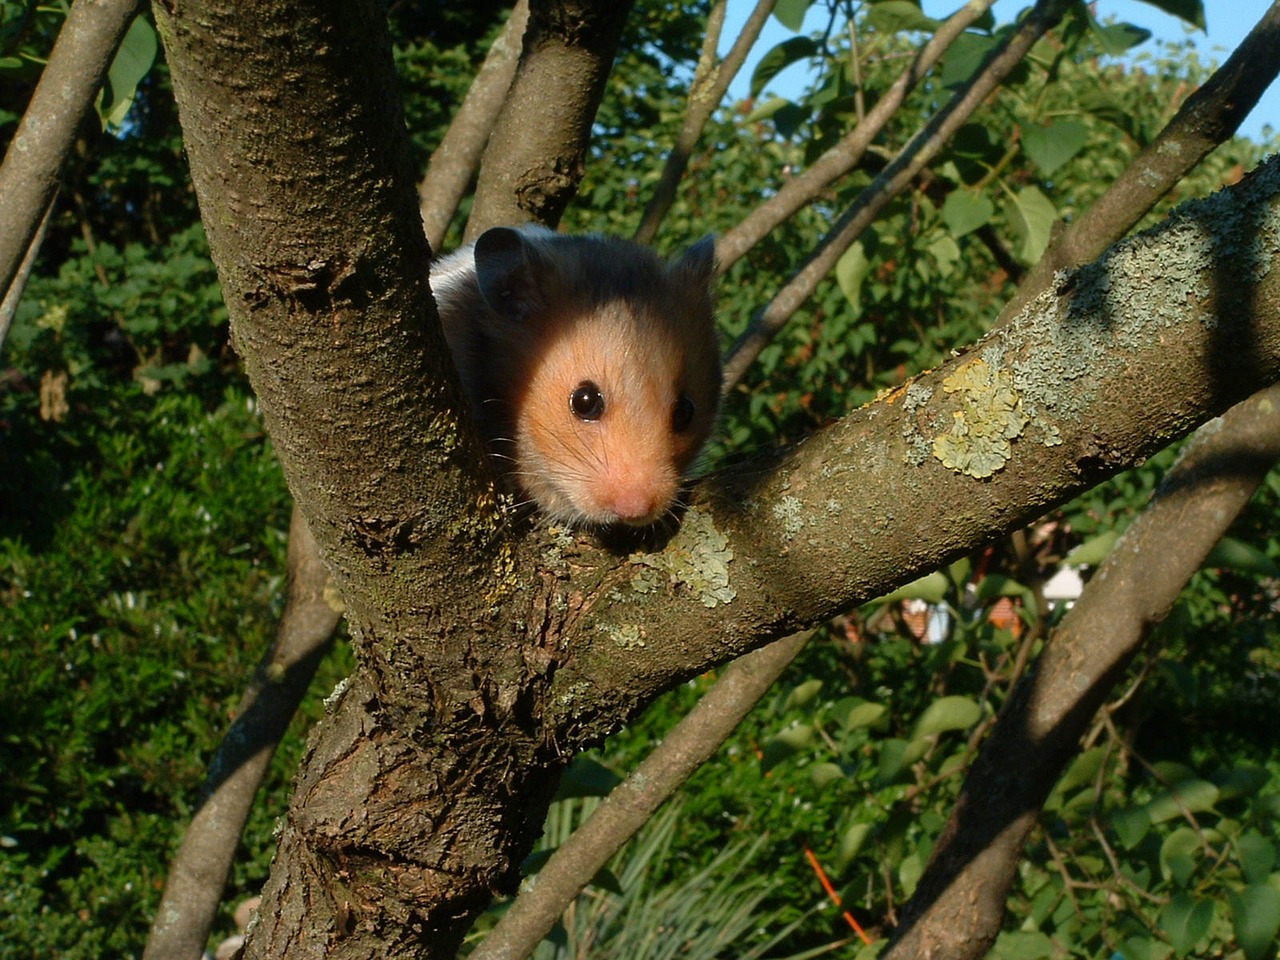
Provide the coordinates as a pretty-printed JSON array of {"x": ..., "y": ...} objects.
[
  {"x": 988, "y": 416},
  {"x": 696, "y": 561},
  {"x": 628, "y": 636}
]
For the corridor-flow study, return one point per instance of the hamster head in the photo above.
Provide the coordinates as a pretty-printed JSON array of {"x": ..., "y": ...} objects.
[{"x": 613, "y": 369}]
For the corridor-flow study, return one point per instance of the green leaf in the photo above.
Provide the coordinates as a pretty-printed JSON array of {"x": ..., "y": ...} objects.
[
  {"x": 779, "y": 58},
  {"x": 892, "y": 16},
  {"x": 1241, "y": 782},
  {"x": 892, "y": 752},
  {"x": 1141, "y": 947},
  {"x": 1022, "y": 945},
  {"x": 1093, "y": 551},
  {"x": 851, "y": 269},
  {"x": 1194, "y": 796},
  {"x": 1186, "y": 920},
  {"x": 932, "y": 588},
  {"x": 964, "y": 57},
  {"x": 785, "y": 744},
  {"x": 790, "y": 13},
  {"x": 1178, "y": 855},
  {"x": 851, "y": 842},
  {"x": 949, "y": 713},
  {"x": 1255, "y": 913},
  {"x": 1257, "y": 856},
  {"x": 1192, "y": 11},
  {"x": 767, "y": 108},
  {"x": 1242, "y": 557},
  {"x": 1131, "y": 826},
  {"x": 1083, "y": 769},
  {"x": 132, "y": 62},
  {"x": 910, "y": 870},
  {"x": 587, "y": 777},
  {"x": 822, "y": 774},
  {"x": 1051, "y": 146},
  {"x": 788, "y": 119},
  {"x": 964, "y": 211},
  {"x": 946, "y": 254},
  {"x": 804, "y": 693},
  {"x": 1032, "y": 215},
  {"x": 864, "y": 715},
  {"x": 1117, "y": 38}
]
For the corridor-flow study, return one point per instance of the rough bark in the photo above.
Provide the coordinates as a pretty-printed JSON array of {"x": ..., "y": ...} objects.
[
  {"x": 959, "y": 904},
  {"x": 427, "y": 781},
  {"x": 533, "y": 163}
]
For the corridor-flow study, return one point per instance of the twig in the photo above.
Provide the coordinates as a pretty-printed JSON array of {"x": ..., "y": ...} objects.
[
  {"x": 845, "y": 155},
  {"x": 13, "y": 296},
  {"x": 705, "y": 93},
  {"x": 890, "y": 181},
  {"x": 30, "y": 172},
  {"x": 835, "y": 897}
]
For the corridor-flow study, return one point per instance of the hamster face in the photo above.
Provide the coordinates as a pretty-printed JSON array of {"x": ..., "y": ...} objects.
[
  {"x": 612, "y": 418},
  {"x": 591, "y": 365}
]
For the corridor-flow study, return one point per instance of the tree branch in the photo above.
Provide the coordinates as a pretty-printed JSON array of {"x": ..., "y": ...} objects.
[
  {"x": 1209, "y": 117},
  {"x": 705, "y": 93},
  {"x": 455, "y": 161},
  {"x": 848, "y": 152},
  {"x": 1168, "y": 329},
  {"x": 959, "y": 904},
  {"x": 887, "y": 184},
  {"x": 32, "y": 165},
  {"x": 199, "y": 872},
  {"x": 533, "y": 163}
]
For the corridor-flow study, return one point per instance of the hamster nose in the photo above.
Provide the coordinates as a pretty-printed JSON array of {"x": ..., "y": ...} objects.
[{"x": 636, "y": 507}]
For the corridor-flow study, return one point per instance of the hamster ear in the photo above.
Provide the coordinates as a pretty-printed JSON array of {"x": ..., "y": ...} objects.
[
  {"x": 698, "y": 263},
  {"x": 506, "y": 273}
]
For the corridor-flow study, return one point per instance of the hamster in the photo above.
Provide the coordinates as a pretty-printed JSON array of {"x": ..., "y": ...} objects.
[{"x": 591, "y": 365}]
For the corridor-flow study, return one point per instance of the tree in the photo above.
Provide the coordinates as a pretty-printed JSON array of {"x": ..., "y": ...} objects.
[{"x": 425, "y": 785}]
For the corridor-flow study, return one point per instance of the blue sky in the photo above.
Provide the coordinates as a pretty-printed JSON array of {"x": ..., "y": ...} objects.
[{"x": 1228, "y": 21}]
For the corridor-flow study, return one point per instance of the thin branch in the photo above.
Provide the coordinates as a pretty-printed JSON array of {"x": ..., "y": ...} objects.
[
  {"x": 1209, "y": 117},
  {"x": 959, "y": 904},
  {"x": 845, "y": 155},
  {"x": 690, "y": 744},
  {"x": 705, "y": 93},
  {"x": 888, "y": 183},
  {"x": 13, "y": 296},
  {"x": 200, "y": 869},
  {"x": 455, "y": 161},
  {"x": 32, "y": 165}
]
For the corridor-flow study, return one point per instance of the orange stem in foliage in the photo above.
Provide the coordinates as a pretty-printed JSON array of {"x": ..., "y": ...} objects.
[{"x": 835, "y": 897}]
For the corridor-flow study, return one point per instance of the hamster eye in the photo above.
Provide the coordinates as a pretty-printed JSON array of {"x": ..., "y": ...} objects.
[
  {"x": 682, "y": 414},
  {"x": 587, "y": 402}
]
